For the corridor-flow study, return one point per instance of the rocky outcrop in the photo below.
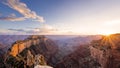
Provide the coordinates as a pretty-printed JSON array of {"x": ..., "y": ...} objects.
[
  {"x": 39, "y": 60},
  {"x": 30, "y": 59},
  {"x": 20, "y": 45},
  {"x": 107, "y": 51},
  {"x": 24, "y": 53},
  {"x": 100, "y": 56},
  {"x": 78, "y": 59}
]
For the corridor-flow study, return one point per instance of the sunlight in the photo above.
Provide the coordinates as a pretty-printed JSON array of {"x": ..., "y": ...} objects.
[
  {"x": 110, "y": 40},
  {"x": 107, "y": 33}
]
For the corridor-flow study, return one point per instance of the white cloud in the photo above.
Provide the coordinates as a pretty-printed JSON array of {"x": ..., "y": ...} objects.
[
  {"x": 46, "y": 29},
  {"x": 12, "y": 17},
  {"x": 24, "y": 10}
]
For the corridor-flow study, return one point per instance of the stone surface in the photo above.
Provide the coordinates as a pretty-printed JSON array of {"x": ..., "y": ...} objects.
[
  {"x": 107, "y": 51},
  {"x": 23, "y": 53}
]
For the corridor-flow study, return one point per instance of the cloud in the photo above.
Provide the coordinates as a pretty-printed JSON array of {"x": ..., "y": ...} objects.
[
  {"x": 12, "y": 17},
  {"x": 17, "y": 30},
  {"x": 24, "y": 10},
  {"x": 24, "y": 31},
  {"x": 45, "y": 29}
]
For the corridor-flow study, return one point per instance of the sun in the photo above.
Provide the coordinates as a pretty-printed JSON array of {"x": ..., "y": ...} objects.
[{"x": 107, "y": 33}]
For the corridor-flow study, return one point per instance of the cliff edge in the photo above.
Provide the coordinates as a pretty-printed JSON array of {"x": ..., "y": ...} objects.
[{"x": 23, "y": 53}]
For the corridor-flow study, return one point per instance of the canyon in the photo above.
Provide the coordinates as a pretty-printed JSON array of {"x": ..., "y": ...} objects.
[
  {"x": 23, "y": 52},
  {"x": 106, "y": 51},
  {"x": 73, "y": 52}
]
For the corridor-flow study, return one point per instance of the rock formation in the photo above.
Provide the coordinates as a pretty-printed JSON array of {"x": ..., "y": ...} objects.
[
  {"x": 103, "y": 53},
  {"x": 39, "y": 52},
  {"x": 30, "y": 59},
  {"x": 78, "y": 59},
  {"x": 24, "y": 53},
  {"x": 39, "y": 60},
  {"x": 107, "y": 51}
]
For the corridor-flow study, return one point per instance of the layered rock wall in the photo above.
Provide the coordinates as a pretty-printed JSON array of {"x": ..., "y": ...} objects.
[
  {"x": 107, "y": 51},
  {"x": 101, "y": 56},
  {"x": 19, "y": 46}
]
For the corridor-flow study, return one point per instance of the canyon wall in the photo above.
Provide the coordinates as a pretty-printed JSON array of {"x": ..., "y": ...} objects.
[
  {"x": 107, "y": 52},
  {"x": 20, "y": 45},
  {"x": 23, "y": 52}
]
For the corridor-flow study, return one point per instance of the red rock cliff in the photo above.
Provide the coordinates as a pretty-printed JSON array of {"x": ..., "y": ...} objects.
[{"x": 107, "y": 51}]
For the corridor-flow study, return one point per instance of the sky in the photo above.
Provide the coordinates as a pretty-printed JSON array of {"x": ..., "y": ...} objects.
[{"x": 59, "y": 17}]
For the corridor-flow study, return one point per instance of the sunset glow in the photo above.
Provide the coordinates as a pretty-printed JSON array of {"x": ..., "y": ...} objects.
[
  {"x": 73, "y": 17},
  {"x": 107, "y": 33}
]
